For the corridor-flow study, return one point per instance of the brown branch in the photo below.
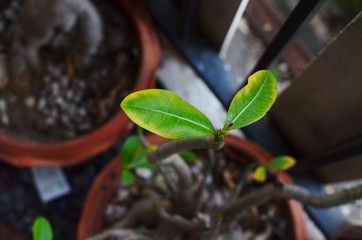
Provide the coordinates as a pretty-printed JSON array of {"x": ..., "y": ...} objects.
[
  {"x": 243, "y": 178},
  {"x": 202, "y": 186},
  {"x": 300, "y": 194},
  {"x": 172, "y": 147},
  {"x": 255, "y": 198},
  {"x": 183, "y": 196},
  {"x": 191, "y": 227},
  {"x": 320, "y": 201},
  {"x": 123, "y": 234}
]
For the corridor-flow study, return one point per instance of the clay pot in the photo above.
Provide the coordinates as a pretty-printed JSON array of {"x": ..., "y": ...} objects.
[
  {"x": 106, "y": 183},
  {"x": 66, "y": 153}
]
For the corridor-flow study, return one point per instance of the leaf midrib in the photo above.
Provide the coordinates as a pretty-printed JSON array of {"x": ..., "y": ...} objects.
[
  {"x": 245, "y": 108},
  {"x": 173, "y": 115}
]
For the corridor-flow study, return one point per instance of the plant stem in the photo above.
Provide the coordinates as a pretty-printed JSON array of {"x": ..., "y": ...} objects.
[
  {"x": 176, "y": 146},
  {"x": 320, "y": 201},
  {"x": 140, "y": 134},
  {"x": 243, "y": 178},
  {"x": 270, "y": 191},
  {"x": 182, "y": 224},
  {"x": 201, "y": 188}
]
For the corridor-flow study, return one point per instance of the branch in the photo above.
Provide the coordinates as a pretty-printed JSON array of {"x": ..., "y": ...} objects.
[
  {"x": 202, "y": 186},
  {"x": 192, "y": 227},
  {"x": 270, "y": 191},
  {"x": 172, "y": 147},
  {"x": 320, "y": 201},
  {"x": 181, "y": 179},
  {"x": 123, "y": 234},
  {"x": 243, "y": 179},
  {"x": 255, "y": 198}
]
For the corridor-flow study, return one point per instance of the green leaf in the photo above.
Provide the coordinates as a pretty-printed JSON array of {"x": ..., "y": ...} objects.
[
  {"x": 281, "y": 163},
  {"x": 252, "y": 102},
  {"x": 166, "y": 114},
  {"x": 260, "y": 173},
  {"x": 42, "y": 229},
  {"x": 140, "y": 161},
  {"x": 129, "y": 149},
  {"x": 188, "y": 156},
  {"x": 127, "y": 176}
]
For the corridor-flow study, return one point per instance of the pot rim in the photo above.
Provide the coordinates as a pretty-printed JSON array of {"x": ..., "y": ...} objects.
[{"x": 24, "y": 153}]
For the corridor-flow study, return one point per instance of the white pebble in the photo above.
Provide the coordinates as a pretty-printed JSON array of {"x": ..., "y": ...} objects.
[
  {"x": 55, "y": 89},
  {"x": 145, "y": 173},
  {"x": 42, "y": 103},
  {"x": 2, "y": 105},
  {"x": 5, "y": 119},
  {"x": 30, "y": 102}
]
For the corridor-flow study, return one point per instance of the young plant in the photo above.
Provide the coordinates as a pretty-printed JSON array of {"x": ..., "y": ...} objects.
[
  {"x": 42, "y": 229},
  {"x": 134, "y": 156},
  {"x": 168, "y": 115}
]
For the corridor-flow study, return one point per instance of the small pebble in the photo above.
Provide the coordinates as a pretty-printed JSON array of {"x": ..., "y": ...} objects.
[
  {"x": 55, "y": 89},
  {"x": 69, "y": 95},
  {"x": 145, "y": 173},
  {"x": 30, "y": 102},
  {"x": 59, "y": 101},
  {"x": 55, "y": 71},
  {"x": 82, "y": 111},
  {"x": 54, "y": 112},
  {"x": 2, "y": 105},
  {"x": 41, "y": 103},
  {"x": 50, "y": 121},
  {"x": 114, "y": 212},
  {"x": 5, "y": 119},
  {"x": 65, "y": 119},
  {"x": 123, "y": 194},
  {"x": 64, "y": 82}
]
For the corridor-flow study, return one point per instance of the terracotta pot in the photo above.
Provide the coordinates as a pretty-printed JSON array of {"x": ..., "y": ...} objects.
[
  {"x": 106, "y": 183},
  {"x": 66, "y": 153}
]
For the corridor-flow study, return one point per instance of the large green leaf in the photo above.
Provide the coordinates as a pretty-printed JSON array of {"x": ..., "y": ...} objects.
[
  {"x": 166, "y": 114},
  {"x": 253, "y": 101},
  {"x": 42, "y": 229}
]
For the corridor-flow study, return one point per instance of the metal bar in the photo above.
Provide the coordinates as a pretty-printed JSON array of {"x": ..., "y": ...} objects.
[
  {"x": 190, "y": 21},
  {"x": 304, "y": 10}
]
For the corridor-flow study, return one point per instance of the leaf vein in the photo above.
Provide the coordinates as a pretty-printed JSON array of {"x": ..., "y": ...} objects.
[{"x": 173, "y": 115}]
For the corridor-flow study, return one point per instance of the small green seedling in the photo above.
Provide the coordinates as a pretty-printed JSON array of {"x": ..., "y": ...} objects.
[
  {"x": 134, "y": 156},
  {"x": 42, "y": 229},
  {"x": 281, "y": 163},
  {"x": 168, "y": 115}
]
